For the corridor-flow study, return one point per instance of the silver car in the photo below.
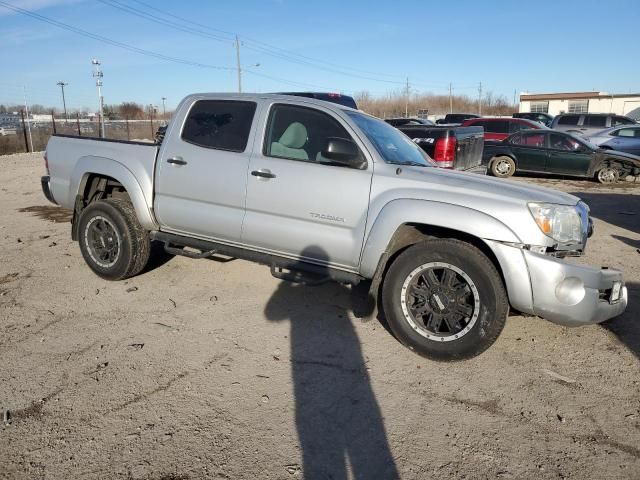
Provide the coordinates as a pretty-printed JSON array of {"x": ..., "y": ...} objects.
[
  {"x": 584, "y": 123},
  {"x": 624, "y": 138}
]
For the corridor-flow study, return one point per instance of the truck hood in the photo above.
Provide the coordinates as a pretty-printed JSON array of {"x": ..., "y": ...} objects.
[{"x": 488, "y": 188}]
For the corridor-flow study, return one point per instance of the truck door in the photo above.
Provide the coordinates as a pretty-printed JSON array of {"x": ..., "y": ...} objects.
[
  {"x": 201, "y": 173},
  {"x": 299, "y": 203}
]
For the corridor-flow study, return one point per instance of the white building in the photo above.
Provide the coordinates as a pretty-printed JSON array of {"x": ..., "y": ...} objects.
[{"x": 581, "y": 102}]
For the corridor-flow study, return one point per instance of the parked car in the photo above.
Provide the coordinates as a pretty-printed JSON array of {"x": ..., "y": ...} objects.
[
  {"x": 540, "y": 117},
  {"x": 455, "y": 118},
  {"x": 622, "y": 138},
  {"x": 499, "y": 128},
  {"x": 323, "y": 192},
  {"x": 553, "y": 152},
  {"x": 396, "y": 122},
  {"x": 457, "y": 148},
  {"x": 588, "y": 122},
  {"x": 338, "y": 98},
  {"x": 8, "y": 131}
]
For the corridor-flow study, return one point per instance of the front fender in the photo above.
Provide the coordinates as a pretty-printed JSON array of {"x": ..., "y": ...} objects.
[
  {"x": 409, "y": 211},
  {"x": 89, "y": 165}
]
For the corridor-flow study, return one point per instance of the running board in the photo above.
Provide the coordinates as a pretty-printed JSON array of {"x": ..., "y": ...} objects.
[{"x": 281, "y": 267}]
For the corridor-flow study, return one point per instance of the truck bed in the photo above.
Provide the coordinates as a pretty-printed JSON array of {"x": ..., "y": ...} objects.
[{"x": 66, "y": 152}]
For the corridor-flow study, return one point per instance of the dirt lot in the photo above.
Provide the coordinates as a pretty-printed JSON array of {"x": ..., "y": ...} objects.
[{"x": 205, "y": 369}]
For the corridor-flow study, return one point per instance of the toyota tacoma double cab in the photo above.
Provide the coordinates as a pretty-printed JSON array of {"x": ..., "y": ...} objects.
[{"x": 319, "y": 190}]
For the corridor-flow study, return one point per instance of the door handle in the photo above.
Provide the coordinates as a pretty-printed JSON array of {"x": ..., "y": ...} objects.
[
  {"x": 263, "y": 173},
  {"x": 176, "y": 161}
]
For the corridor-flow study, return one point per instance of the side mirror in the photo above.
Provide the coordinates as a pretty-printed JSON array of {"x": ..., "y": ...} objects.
[{"x": 343, "y": 152}]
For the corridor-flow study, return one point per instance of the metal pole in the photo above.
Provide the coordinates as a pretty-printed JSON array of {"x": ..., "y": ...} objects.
[
  {"x": 164, "y": 110},
  {"x": 238, "y": 65},
  {"x": 26, "y": 107},
  {"x": 406, "y": 102},
  {"x": 98, "y": 75},
  {"x": 24, "y": 132},
  {"x": 480, "y": 99},
  {"x": 151, "y": 121},
  {"x": 64, "y": 103},
  {"x": 128, "y": 133},
  {"x": 78, "y": 123},
  {"x": 53, "y": 122},
  {"x": 450, "y": 98}
]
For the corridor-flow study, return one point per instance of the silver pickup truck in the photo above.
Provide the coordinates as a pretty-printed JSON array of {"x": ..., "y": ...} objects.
[{"x": 321, "y": 191}]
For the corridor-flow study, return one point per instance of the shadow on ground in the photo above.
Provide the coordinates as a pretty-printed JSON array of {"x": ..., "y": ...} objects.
[
  {"x": 338, "y": 419},
  {"x": 619, "y": 209},
  {"x": 626, "y": 327}
]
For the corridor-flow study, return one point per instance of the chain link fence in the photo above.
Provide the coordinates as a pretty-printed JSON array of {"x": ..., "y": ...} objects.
[{"x": 33, "y": 135}]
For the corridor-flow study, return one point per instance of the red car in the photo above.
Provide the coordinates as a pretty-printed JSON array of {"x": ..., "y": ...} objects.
[{"x": 499, "y": 128}]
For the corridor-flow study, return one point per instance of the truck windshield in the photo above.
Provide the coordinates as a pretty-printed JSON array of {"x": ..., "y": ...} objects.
[{"x": 392, "y": 145}]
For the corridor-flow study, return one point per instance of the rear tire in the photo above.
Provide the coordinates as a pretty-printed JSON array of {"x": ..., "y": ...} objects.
[
  {"x": 445, "y": 300},
  {"x": 503, "y": 166},
  {"x": 112, "y": 241}
]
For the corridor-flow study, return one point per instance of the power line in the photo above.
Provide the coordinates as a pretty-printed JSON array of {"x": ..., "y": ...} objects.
[{"x": 109, "y": 41}]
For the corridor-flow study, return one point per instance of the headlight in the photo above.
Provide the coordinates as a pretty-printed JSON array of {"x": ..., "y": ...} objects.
[{"x": 560, "y": 222}]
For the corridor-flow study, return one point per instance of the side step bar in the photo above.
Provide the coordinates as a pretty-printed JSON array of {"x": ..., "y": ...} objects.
[{"x": 281, "y": 267}]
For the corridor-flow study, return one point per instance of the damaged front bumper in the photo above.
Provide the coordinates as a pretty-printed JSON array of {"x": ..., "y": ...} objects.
[
  {"x": 573, "y": 295},
  {"x": 559, "y": 291}
]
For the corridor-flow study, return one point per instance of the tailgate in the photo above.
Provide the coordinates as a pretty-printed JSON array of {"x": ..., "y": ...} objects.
[{"x": 470, "y": 145}]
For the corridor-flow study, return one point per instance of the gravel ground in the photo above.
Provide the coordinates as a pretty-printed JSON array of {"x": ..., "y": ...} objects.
[{"x": 209, "y": 369}]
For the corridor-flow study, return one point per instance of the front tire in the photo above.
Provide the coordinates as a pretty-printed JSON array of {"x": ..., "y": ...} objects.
[
  {"x": 503, "y": 166},
  {"x": 112, "y": 241},
  {"x": 445, "y": 300}
]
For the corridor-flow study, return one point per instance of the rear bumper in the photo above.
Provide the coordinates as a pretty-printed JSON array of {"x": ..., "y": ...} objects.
[
  {"x": 571, "y": 294},
  {"x": 46, "y": 188}
]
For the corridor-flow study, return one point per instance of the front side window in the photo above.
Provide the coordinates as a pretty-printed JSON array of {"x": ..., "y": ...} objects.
[
  {"x": 301, "y": 133},
  {"x": 617, "y": 120},
  {"x": 391, "y": 144},
  {"x": 219, "y": 124},
  {"x": 560, "y": 142}
]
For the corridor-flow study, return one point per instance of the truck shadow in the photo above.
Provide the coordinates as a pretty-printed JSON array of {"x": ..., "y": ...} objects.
[
  {"x": 338, "y": 419},
  {"x": 626, "y": 327},
  {"x": 621, "y": 210}
]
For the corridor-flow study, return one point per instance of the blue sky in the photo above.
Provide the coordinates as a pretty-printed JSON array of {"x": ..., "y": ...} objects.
[{"x": 346, "y": 46}]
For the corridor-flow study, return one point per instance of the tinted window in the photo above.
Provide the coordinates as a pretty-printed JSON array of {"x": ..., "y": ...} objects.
[
  {"x": 620, "y": 121},
  {"x": 569, "y": 120},
  {"x": 300, "y": 133},
  {"x": 560, "y": 142},
  {"x": 596, "y": 121},
  {"x": 219, "y": 124},
  {"x": 494, "y": 126}
]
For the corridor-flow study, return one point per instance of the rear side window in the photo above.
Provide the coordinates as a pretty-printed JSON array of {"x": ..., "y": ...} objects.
[
  {"x": 599, "y": 121},
  {"x": 627, "y": 132},
  {"x": 533, "y": 140},
  {"x": 569, "y": 120},
  {"x": 495, "y": 126},
  {"x": 219, "y": 124}
]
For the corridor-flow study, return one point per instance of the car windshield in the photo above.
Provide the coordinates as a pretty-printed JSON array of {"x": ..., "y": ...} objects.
[{"x": 392, "y": 145}]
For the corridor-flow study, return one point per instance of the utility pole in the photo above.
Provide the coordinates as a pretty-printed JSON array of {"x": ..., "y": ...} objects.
[
  {"x": 480, "y": 99},
  {"x": 61, "y": 84},
  {"x": 98, "y": 76},
  {"x": 406, "y": 100},
  {"x": 450, "y": 98},
  {"x": 237, "y": 43},
  {"x": 164, "y": 110},
  {"x": 26, "y": 107}
]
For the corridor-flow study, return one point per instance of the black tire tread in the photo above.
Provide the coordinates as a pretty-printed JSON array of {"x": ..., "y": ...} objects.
[{"x": 469, "y": 250}]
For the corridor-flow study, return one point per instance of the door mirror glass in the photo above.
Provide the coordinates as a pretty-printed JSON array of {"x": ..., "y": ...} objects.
[{"x": 343, "y": 151}]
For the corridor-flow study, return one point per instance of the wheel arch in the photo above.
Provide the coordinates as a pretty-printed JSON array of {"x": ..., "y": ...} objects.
[
  {"x": 92, "y": 173},
  {"x": 403, "y": 223}
]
